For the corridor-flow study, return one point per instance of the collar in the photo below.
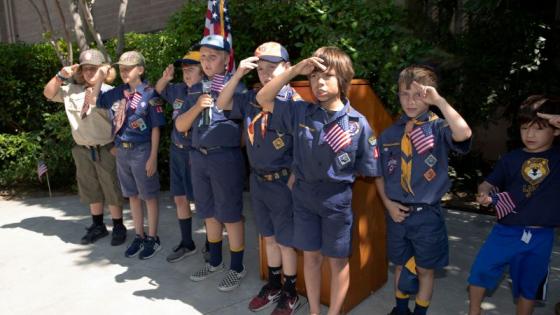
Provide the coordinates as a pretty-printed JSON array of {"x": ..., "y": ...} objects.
[
  {"x": 425, "y": 116},
  {"x": 139, "y": 88}
]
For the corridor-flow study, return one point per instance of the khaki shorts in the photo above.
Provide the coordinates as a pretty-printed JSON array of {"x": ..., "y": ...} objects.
[{"x": 97, "y": 179}]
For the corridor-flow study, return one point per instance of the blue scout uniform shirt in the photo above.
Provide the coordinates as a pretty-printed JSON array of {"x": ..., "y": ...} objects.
[
  {"x": 314, "y": 159},
  {"x": 429, "y": 179},
  {"x": 179, "y": 96},
  {"x": 533, "y": 182},
  {"x": 138, "y": 122},
  {"x": 222, "y": 131},
  {"x": 274, "y": 152}
]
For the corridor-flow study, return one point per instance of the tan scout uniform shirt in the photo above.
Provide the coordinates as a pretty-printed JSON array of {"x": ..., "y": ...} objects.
[{"x": 95, "y": 129}]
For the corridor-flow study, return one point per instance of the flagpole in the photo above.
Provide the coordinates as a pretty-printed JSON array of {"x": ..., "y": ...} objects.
[{"x": 49, "y": 184}]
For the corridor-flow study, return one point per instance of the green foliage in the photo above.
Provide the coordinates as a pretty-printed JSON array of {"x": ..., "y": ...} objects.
[{"x": 18, "y": 158}]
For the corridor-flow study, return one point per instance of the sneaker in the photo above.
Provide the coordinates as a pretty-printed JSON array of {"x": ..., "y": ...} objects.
[
  {"x": 206, "y": 271},
  {"x": 287, "y": 305},
  {"x": 266, "y": 297},
  {"x": 205, "y": 254},
  {"x": 135, "y": 247},
  {"x": 180, "y": 252},
  {"x": 394, "y": 312},
  {"x": 94, "y": 232},
  {"x": 151, "y": 247},
  {"x": 118, "y": 236},
  {"x": 232, "y": 280}
]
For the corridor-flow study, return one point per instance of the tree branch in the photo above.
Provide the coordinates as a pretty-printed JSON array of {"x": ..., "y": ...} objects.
[
  {"x": 86, "y": 10},
  {"x": 120, "y": 31}
]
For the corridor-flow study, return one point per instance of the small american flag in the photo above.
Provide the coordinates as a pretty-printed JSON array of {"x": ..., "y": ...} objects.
[
  {"x": 337, "y": 138},
  {"x": 41, "y": 169},
  {"x": 503, "y": 203},
  {"x": 422, "y": 138},
  {"x": 218, "y": 83},
  {"x": 218, "y": 22}
]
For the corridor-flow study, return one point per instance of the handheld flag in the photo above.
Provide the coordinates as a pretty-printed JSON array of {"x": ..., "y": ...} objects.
[{"x": 503, "y": 203}]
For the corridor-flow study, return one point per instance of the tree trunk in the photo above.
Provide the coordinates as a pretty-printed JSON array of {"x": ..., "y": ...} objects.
[
  {"x": 86, "y": 10},
  {"x": 78, "y": 25},
  {"x": 120, "y": 31},
  {"x": 67, "y": 38}
]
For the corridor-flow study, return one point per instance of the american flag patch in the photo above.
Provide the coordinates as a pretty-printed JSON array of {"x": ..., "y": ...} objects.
[
  {"x": 422, "y": 138},
  {"x": 218, "y": 83},
  {"x": 503, "y": 203},
  {"x": 136, "y": 98},
  {"x": 337, "y": 138}
]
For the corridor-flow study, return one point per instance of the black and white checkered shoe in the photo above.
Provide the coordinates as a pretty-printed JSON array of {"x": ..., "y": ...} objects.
[
  {"x": 231, "y": 280},
  {"x": 206, "y": 271}
]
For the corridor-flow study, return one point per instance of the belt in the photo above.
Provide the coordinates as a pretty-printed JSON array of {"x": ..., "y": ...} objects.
[
  {"x": 270, "y": 177},
  {"x": 416, "y": 207},
  {"x": 180, "y": 146},
  {"x": 94, "y": 150},
  {"x": 206, "y": 151},
  {"x": 128, "y": 145}
]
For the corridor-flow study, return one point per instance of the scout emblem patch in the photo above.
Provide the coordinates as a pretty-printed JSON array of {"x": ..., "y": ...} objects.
[
  {"x": 372, "y": 141},
  {"x": 422, "y": 138},
  {"x": 139, "y": 124},
  {"x": 178, "y": 103},
  {"x": 534, "y": 171},
  {"x": 430, "y": 160},
  {"x": 430, "y": 174},
  {"x": 353, "y": 128},
  {"x": 392, "y": 165},
  {"x": 342, "y": 160},
  {"x": 278, "y": 143}
]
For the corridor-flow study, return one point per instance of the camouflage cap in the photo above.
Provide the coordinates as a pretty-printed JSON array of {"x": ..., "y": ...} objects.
[
  {"x": 91, "y": 57},
  {"x": 131, "y": 58}
]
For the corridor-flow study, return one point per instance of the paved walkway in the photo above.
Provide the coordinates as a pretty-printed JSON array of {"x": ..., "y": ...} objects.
[{"x": 44, "y": 270}]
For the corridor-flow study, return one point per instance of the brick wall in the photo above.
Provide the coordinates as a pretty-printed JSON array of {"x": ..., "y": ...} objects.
[{"x": 142, "y": 16}]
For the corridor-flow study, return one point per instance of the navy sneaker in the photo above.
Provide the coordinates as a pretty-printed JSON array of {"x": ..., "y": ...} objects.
[
  {"x": 93, "y": 233},
  {"x": 394, "y": 312},
  {"x": 151, "y": 247},
  {"x": 118, "y": 236},
  {"x": 135, "y": 247}
]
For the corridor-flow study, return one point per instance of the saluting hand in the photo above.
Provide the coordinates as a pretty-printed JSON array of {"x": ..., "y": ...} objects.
[
  {"x": 101, "y": 73},
  {"x": 306, "y": 66},
  {"x": 246, "y": 65},
  {"x": 397, "y": 211},
  {"x": 68, "y": 71},
  {"x": 168, "y": 73},
  {"x": 552, "y": 119},
  {"x": 428, "y": 94}
]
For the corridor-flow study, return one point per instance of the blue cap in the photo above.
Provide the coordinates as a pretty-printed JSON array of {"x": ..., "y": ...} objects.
[
  {"x": 272, "y": 52},
  {"x": 217, "y": 42}
]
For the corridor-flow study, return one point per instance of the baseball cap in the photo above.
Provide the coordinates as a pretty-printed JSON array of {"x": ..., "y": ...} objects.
[
  {"x": 272, "y": 52},
  {"x": 217, "y": 42},
  {"x": 191, "y": 58},
  {"x": 131, "y": 58},
  {"x": 91, "y": 57}
]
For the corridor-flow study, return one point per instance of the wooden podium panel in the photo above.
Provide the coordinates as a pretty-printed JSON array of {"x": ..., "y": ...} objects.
[{"x": 368, "y": 262}]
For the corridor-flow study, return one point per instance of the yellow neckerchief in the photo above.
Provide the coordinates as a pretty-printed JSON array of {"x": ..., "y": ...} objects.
[{"x": 406, "y": 150}]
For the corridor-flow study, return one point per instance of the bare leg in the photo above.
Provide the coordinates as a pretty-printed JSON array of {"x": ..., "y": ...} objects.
[
  {"x": 137, "y": 214},
  {"x": 312, "y": 273},
  {"x": 340, "y": 281},
  {"x": 476, "y": 296},
  {"x": 525, "y": 306},
  {"x": 153, "y": 216}
]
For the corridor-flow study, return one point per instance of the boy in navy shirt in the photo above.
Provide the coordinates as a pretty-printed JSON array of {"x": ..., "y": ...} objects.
[
  {"x": 333, "y": 143},
  {"x": 179, "y": 161},
  {"x": 523, "y": 188},
  {"x": 414, "y": 162},
  {"x": 270, "y": 155}
]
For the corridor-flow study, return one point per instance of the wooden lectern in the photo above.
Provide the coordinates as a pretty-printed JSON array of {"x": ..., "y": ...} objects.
[{"x": 368, "y": 263}]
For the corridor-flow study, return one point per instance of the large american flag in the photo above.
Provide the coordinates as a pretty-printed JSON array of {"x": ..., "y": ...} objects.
[
  {"x": 422, "y": 138},
  {"x": 218, "y": 22},
  {"x": 503, "y": 203},
  {"x": 337, "y": 137}
]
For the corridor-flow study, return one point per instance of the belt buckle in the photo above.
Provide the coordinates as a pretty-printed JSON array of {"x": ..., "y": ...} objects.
[
  {"x": 127, "y": 145},
  {"x": 180, "y": 146},
  {"x": 268, "y": 177},
  {"x": 203, "y": 151}
]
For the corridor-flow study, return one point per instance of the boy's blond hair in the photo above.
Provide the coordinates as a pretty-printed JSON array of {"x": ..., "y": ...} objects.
[
  {"x": 421, "y": 74},
  {"x": 335, "y": 58}
]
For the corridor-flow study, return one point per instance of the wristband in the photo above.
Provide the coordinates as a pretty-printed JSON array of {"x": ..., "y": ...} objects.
[{"x": 61, "y": 77}]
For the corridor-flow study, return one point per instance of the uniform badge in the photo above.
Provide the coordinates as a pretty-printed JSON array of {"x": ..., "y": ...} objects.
[
  {"x": 178, "y": 103},
  {"x": 343, "y": 159},
  {"x": 372, "y": 141},
  {"x": 139, "y": 124},
  {"x": 430, "y": 160},
  {"x": 353, "y": 127},
  {"x": 278, "y": 143},
  {"x": 391, "y": 165},
  {"x": 430, "y": 174},
  {"x": 534, "y": 171},
  {"x": 159, "y": 109}
]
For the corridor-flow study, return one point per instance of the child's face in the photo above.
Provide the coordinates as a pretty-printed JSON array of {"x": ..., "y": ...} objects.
[
  {"x": 131, "y": 74},
  {"x": 324, "y": 85},
  {"x": 88, "y": 72},
  {"x": 213, "y": 61},
  {"x": 537, "y": 137},
  {"x": 270, "y": 70},
  {"x": 411, "y": 102},
  {"x": 192, "y": 74}
]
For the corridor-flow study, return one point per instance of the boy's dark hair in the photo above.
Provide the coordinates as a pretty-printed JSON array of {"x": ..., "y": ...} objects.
[
  {"x": 424, "y": 75},
  {"x": 335, "y": 58},
  {"x": 538, "y": 104}
]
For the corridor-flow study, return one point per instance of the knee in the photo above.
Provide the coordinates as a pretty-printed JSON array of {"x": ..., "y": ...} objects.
[{"x": 423, "y": 272}]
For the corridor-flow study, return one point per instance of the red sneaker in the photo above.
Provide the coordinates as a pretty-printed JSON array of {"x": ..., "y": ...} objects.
[
  {"x": 287, "y": 305},
  {"x": 266, "y": 297}
]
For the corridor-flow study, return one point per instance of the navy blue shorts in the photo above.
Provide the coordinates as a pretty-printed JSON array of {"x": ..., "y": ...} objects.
[
  {"x": 180, "y": 172},
  {"x": 271, "y": 202},
  {"x": 131, "y": 170},
  {"x": 422, "y": 234},
  {"x": 526, "y": 251},
  {"x": 323, "y": 218},
  {"x": 217, "y": 180}
]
